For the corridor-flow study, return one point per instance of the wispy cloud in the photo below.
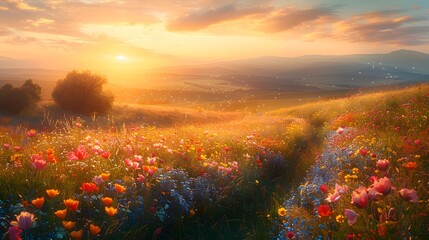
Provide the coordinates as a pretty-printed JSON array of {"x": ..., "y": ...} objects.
[
  {"x": 202, "y": 18},
  {"x": 390, "y": 27},
  {"x": 290, "y": 18}
]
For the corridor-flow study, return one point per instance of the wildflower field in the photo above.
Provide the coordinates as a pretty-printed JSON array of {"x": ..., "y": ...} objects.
[{"x": 352, "y": 168}]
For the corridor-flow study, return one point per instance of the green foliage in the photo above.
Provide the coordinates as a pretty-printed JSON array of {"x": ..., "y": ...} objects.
[
  {"x": 15, "y": 100},
  {"x": 82, "y": 92}
]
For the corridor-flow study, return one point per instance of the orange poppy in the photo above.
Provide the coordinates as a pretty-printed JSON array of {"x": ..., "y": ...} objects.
[
  {"x": 61, "y": 213},
  {"x": 76, "y": 234},
  {"x": 71, "y": 204},
  {"x": 94, "y": 229},
  {"x": 38, "y": 202},
  {"x": 107, "y": 201},
  {"x": 68, "y": 224},
  {"x": 52, "y": 193},
  {"x": 119, "y": 188}
]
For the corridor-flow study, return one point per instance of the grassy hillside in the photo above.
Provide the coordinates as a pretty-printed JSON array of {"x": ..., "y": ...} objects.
[{"x": 207, "y": 175}]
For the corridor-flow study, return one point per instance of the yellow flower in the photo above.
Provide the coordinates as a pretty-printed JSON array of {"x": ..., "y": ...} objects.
[
  {"x": 281, "y": 211},
  {"x": 111, "y": 211},
  {"x": 340, "y": 218},
  {"x": 355, "y": 170},
  {"x": 52, "y": 193}
]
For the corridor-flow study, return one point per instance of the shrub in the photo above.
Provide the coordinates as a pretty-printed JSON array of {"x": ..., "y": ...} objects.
[
  {"x": 82, "y": 92},
  {"x": 15, "y": 100}
]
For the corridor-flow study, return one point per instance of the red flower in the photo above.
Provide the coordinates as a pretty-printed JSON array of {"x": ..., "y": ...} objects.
[
  {"x": 79, "y": 154},
  {"x": 324, "y": 210},
  {"x": 14, "y": 233},
  {"x": 89, "y": 187},
  {"x": 290, "y": 235},
  {"x": 363, "y": 152},
  {"x": 323, "y": 188},
  {"x": 105, "y": 154}
]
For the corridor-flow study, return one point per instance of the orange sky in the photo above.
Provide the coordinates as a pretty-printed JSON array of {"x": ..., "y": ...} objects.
[{"x": 91, "y": 34}]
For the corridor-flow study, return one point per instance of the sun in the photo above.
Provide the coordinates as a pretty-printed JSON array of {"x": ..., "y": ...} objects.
[{"x": 121, "y": 58}]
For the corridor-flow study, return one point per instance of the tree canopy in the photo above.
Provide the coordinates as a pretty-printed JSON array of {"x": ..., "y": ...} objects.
[{"x": 82, "y": 92}]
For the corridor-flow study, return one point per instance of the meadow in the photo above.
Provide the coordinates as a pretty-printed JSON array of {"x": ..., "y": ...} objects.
[{"x": 353, "y": 167}]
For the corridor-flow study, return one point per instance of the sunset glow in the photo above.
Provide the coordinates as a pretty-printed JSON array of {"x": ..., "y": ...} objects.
[
  {"x": 121, "y": 58},
  {"x": 80, "y": 34}
]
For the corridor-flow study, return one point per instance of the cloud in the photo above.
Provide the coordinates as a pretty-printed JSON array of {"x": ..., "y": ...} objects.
[
  {"x": 40, "y": 21},
  {"x": 201, "y": 19},
  {"x": 19, "y": 4},
  {"x": 289, "y": 18},
  {"x": 388, "y": 27}
]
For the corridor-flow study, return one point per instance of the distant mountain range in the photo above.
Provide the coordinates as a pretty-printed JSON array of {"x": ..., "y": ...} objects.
[
  {"x": 316, "y": 71},
  {"x": 305, "y": 73}
]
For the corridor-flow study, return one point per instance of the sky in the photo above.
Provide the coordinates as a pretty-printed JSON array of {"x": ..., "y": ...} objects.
[{"x": 140, "y": 34}]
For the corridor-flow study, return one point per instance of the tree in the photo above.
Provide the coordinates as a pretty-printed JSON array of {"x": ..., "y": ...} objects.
[
  {"x": 15, "y": 100},
  {"x": 82, "y": 92}
]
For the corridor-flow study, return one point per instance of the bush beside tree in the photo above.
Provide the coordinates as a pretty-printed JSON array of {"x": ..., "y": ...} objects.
[
  {"x": 82, "y": 92},
  {"x": 14, "y": 100}
]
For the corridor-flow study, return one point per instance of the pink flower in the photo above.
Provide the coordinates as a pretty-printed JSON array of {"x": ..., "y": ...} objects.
[
  {"x": 79, "y": 154},
  {"x": 383, "y": 185},
  {"x": 128, "y": 162},
  {"x": 134, "y": 165},
  {"x": 383, "y": 164},
  {"x": 417, "y": 142},
  {"x": 340, "y": 130},
  {"x": 351, "y": 216},
  {"x": 372, "y": 179},
  {"x": 409, "y": 195},
  {"x": 323, "y": 188},
  {"x": 140, "y": 178},
  {"x": 24, "y": 220},
  {"x": 98, "y": 180},
  {"x": 151, "y": 160},
  {"x": 341, "y": 189},
  {"x": 31, "y": 133},
  {"x": 373, "y": 194},
  {"x": 39, "y": 164},
  {"x": 360, "y": 197},
  {"x": 332, "y": 198}
]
